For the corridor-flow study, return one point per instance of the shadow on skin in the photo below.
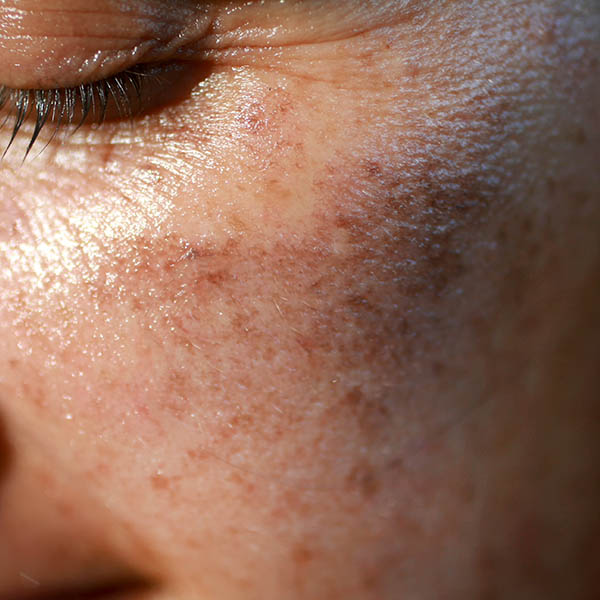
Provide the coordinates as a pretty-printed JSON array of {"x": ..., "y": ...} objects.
[{"x": 6, "y": 452}]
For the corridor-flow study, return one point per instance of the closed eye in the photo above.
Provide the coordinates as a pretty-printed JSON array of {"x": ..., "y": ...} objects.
[
  {"x": 69, "y": 106},
  {"x": 124, "y": 96}
]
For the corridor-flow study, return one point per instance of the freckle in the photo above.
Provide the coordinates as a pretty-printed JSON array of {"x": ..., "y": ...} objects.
[
  {"x": 413, "y": 70},
  {"x": 218, "y": 277},
  {"x": 35, "y": 393},
  {"x": 247, "y": 486},
  {"x": 579, "y": 137},
  {"x": 65, "y": 509},
  {"x": 306, "y": 343},
  {"x": 502, "y": 236},
  {"x": 137, "y": 304},
  {"x": 548, "y": 34},
  {"x": 198, "y": 454},
  {"x": 526, "y": 226},
  {"x": 373, "y": 168},
  {"x": 363, "y": 478},
  {"x": 302, "y": 555},
  {"x": 395, "y": 465},
  {"x": 194, "y": 543},
  {"x": 242, "y": 420},
  {"x": 353, "y": 398},
  {"x": 47, "y": 482},
  {"x": 160, "y": 482},
  {"x": 371, "y": 582},
  {"x": 176, "y": 406},
  {"x": 438, "y": 368},
  {"x": 291, "y": 502}
]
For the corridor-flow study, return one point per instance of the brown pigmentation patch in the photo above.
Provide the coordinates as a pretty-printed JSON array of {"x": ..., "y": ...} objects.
[
  {"x": 160, "y": 482},
  {"x": 364, "y": 479},
  {"x": 302, "y": 554}
]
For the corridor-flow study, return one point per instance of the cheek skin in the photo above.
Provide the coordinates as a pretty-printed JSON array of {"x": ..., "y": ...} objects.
[{"x": 260, "y": 323}]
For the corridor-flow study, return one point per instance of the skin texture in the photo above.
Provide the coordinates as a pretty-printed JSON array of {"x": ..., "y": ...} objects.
[{"x": 324, "y": 327}]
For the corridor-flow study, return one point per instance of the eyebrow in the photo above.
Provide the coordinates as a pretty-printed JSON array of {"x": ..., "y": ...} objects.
[{"x": 63, "y": 43}]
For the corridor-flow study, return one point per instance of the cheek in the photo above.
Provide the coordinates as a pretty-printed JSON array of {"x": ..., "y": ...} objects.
[
  {"x": 284, "y": 298},
  {"x": 149, "y": 297},
  {"x": 271, "y": 269}
]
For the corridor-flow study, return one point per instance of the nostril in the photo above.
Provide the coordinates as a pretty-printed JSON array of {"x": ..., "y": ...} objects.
[{"x": 6, "y": 451}]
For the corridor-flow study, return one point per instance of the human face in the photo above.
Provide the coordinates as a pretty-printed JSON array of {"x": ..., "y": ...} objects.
[{"x": 321, "y": 322}]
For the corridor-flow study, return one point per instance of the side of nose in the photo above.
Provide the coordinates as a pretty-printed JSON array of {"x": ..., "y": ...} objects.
[{"x": 55, "y": 540}]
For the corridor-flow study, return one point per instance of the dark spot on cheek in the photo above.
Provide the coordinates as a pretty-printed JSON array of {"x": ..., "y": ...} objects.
[
  {"x": 405, "y": 224},
  {"x": 369, "y": 413},
  {"x": 35, "y": 392},
  {"x": 163, "y": 483},
  {"x": 66, "y": 509},
  {"x": 580, "y": 137},
  {"x": 438, "y": 369},
  {"x": 413, "y": 69},
  {"x": 526, "y": 226},
  {"x": 160, "y": 482},
  {"x": 198, "y": 455},
  {"x": 364, "y": 479},
  {"x": 163, "y": 275},
  {"x": 302, "y": 554},
  {"x": 242, "y": 483},
  {"x": 242, "y": 419}
]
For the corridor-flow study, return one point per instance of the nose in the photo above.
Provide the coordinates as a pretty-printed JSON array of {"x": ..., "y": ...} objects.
[{"x": 55, "y": 541}]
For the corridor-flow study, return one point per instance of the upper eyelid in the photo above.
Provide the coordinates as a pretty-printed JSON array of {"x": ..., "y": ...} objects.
[{"x": 66, "y": 47}]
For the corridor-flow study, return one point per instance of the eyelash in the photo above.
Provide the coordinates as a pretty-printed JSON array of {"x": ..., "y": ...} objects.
[{"x": 72, "y": 106}]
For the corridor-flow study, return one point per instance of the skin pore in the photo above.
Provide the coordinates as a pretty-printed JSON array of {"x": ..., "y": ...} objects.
[{"x": 323, "y": 323}]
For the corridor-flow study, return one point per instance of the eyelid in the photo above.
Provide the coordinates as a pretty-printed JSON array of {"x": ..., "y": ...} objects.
[
  {"x": 126, "y": 96},
  {"x": 67, "y": 43}
]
